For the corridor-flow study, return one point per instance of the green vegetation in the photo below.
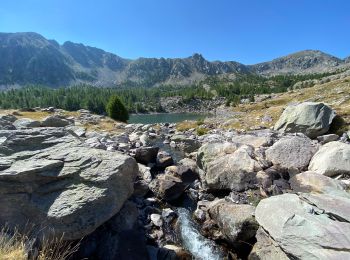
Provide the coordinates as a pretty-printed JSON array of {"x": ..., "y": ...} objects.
[
  {"x": 141, "y": 100},
  {"x": 116, "y": 109}
]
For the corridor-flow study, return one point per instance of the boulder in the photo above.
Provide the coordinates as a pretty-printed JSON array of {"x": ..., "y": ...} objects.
[
  {"x": 253, "y": 140},
  {"x": 55, "y": 121},
  {"x": 310, "y": 118},
  {"x": 167, "y": 187},
  {"x": 6, "y": 125},
  {"x": 228, "y": 167},
  {"x": 8, "y": 117},
  {"x": 26, "y": 123},
  {"x": 236, "y": 221},
  {"x": 186, "y": 144},
  {"x": 146, "y": 155},
  {"x": 317, "y": 183},
  {"x": 331, "y": 159},
  {"x": 59, "y": 186},
  {"x": 164, "y": 159},
  {"x": 291, "y": 152},
  {"x": 266, "y": 248},
  {"x": 307, "y": 226},
  {"x": 323, "y": 139}
]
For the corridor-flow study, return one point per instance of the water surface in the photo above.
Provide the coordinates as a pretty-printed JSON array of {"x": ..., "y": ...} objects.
[{"x": 163, "y": 118}]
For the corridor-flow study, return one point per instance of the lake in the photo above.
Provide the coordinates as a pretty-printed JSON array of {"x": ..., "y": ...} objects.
[{"x": 163, "y": 118}]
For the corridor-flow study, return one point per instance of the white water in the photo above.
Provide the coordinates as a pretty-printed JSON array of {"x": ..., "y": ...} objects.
[{"x": 199, "y": 246}]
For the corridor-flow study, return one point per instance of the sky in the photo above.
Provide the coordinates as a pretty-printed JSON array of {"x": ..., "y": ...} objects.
[{"x": 247, "y": 31}]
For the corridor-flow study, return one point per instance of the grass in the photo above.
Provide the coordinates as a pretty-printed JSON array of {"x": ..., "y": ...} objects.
[{"x": 13, "y": 247}]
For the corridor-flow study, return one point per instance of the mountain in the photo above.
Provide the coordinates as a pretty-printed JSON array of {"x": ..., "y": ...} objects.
[
  {"x": 347, "y": 60},
  {"x": 308, "y": 61},
  {"x": 29, "y": 58}
]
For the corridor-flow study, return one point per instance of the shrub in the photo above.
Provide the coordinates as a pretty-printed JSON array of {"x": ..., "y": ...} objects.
[
  {"x": 116, "y": 109},
  {"x": 202, "y": 131}
]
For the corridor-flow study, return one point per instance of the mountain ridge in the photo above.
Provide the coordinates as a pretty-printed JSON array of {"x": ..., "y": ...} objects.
[{"x": 30, "y": 58}]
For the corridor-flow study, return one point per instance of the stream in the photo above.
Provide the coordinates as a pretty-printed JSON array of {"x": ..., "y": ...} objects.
[{"x": 199, "y": 246}]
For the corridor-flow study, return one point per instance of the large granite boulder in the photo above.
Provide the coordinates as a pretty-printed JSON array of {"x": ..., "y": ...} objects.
[
  {"x": 55, "y": 121},
  {"x": 310, "y": 118},
  {"x": 51, "y": 181},
  {"x": 228, "y": 166},
  {"x": 331, "y": 159},
  {"x": 307, "y": 226},
  {"x": 291, "y": 152},
  {"x": 236, "y": 221}
]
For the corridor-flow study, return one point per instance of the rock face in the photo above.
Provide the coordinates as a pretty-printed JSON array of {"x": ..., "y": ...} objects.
[
  {"x": 310, "y": 118},
  {"x": 314, "y": 182},
  {"x": 48, "y": 179},
  {"x": 291, "y": 152},
  {"x": 308, "y": 226},
  {"x": 332, "y": 159},
  {"x": 228, "y": 166},
  {"x": 236, "y": 222}
]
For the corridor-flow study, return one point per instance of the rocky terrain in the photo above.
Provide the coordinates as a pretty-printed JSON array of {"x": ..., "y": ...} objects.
[
  {"x": 29, "y": 58},
  {"x": 171, "y": 191}
]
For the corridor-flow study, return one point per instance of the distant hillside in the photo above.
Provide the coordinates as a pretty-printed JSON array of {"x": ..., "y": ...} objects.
[
  {"x": 308, "y": 61},
  {"x": 29, "y": 58}
]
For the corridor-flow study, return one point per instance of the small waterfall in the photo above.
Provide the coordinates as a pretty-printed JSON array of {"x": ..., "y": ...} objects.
[{"x": 200, "y": 247}]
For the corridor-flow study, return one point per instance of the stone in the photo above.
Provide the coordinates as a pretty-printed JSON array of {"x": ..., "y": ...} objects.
[
  {"x": 167, "y": 187},
  {"x": 26, "y": 123},
  {"x": 255, "y": 141},
  {"x": 8, "y": 117},
  {"x": 307, "y": 226},
  {"x": 317, "y": 183},
  {"x": 157, "y": 220},
  {"x": 236, "y": 221},
  {"x": 164, "y": 159},
  {"x": 291, "y": 152},
  {"x": 310, "y": 118},
  {"x": 146, "y": 155},
  {"x": 323, "y": 139},
  {"x": 53, "y": 182},
  {"x": 6, "y": 125},
  {"x": 266, "y": 248},
  {"x": 186, "y": 144},
  {"x": 331, "y": 159},
  {"x": 55, "y": 121},
  {"x": 227, "y": 167}
]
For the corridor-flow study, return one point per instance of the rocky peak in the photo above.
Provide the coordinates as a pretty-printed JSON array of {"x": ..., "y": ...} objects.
[{"x": 307, "y": 61}]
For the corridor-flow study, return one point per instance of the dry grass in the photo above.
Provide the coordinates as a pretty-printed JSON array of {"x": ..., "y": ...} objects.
[
  {"x": 186, "y": 125},
  {"x": 12, "y": 247}
]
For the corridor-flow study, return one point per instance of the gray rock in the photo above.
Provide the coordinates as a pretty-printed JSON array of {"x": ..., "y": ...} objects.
[
  {"x": 157, "y": 220},
  {"x": 167, "y": 187},
  {"x": 331, "y": 159},
  {"x": 6, "y": 125},
  {"x": 146, "y": 155},
  {"x": 291, "y": 152},
  {"x": 317, "y": 183},
  {"x": 164, "y": 159},
  {"x": 308, "y": 226},
  {"x": 266, "y": 248},
  {"x": 184, "y": 143},
  {"x": 227, "y": 166},
  {"x": 255, "y": 141},
  {"x": 236, "y": 221},
  {"x": 8, "y": 117},
  {"x": 310, "y": 118},
  {"x": 26, "y": 123},
  {"x": 323, "y": 139},
  {"x": 59, "y": 186},
  {"x": 55, "y": 121}
]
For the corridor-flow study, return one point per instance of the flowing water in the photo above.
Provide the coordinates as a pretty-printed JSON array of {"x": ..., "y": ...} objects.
[
  {"x": 163, "y": 118},
  {"x": 199, "y": 246}
]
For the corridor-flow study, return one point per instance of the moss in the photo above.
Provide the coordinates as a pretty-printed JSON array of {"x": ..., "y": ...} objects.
[{"x": 201, "y": 131}]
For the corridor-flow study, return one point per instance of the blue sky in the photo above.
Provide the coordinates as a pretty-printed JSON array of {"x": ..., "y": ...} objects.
[{"x": 248, "y": 31}]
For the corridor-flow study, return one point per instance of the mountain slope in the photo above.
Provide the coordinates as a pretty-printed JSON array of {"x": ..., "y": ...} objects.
[
  {"x": 308, "y": 61},
  {"x": 29, "y": 58}
]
